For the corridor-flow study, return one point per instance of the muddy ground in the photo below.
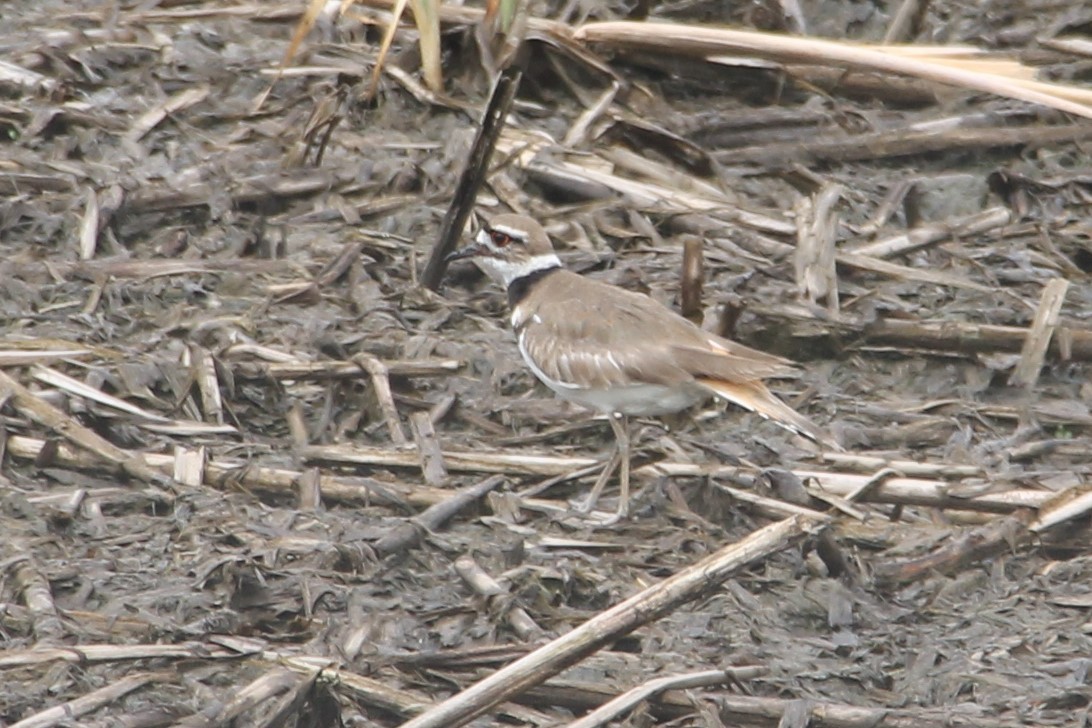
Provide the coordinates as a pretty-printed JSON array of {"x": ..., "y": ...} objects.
[{"x": 182, "y": 277}]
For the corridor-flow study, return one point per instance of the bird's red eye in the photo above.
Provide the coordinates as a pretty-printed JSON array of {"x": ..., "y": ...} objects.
[{"x": 499, "y": 239}]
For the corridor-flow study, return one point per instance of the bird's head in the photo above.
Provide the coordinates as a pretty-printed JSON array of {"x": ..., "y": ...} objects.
[{"x": 509, "y": 247}]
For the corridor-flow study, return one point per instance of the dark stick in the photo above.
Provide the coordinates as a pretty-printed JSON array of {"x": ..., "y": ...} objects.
[
  {"x": 407, "y": 535},
  {"x": 504, "y": 92},
  {"x": 693, "y": 275}
]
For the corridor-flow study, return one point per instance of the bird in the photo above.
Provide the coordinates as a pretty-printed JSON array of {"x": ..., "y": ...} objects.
[{"x": 619, "y": 352}]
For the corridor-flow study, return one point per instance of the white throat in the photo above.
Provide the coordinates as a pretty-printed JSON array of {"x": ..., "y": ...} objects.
[{"x": 505, "y": 271}]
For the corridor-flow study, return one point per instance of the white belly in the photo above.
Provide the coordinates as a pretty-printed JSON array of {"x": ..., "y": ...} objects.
[{"x": 635, "y": 399}]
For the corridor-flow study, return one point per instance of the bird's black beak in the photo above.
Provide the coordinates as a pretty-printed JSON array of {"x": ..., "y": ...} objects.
[{"x": 467, "y": 251}]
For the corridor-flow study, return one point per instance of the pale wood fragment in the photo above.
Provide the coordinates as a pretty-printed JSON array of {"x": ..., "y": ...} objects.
[
  {"x": 189, "y": 465},
  {"x": 906, "y": 467},
  {"x": 815, "y": 254},
  {"x": 89, "y": 226},
  {"x": 907, "y": 18},
  {"x": 21, "y": 358},
  {"x": 291, "y": 368},
  {"x": 898, "y": 490},
  {"x": 381, "y": 386},
  {"x": 35, "y": 592},
  {"x": 706, "y": 41},
  {"x": 154, "y": 116},
  {"x": 14, "y": 74},
  {"x": 483, "y": 584},
  {"x": 1040, "y": 334},
  {"x": 969, "y": 337},
  {"x": 146, "y": 419},
  {"x": 428, "y": 448},
  {"x": 1067, "y": 507},
  {"x": 203, "y": 367},
  {"x": 271, "y": 684},
  {"x": 310, "y": 491}
]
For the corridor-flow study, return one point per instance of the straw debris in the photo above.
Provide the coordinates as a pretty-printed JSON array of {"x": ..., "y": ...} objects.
[{"x": 264, "y": 461}]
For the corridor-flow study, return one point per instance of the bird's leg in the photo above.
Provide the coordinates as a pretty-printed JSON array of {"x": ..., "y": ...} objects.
[
  {"x": 620, "y": 425},
  {"x": 600, "y": 482},
  {"x": 619, "y": 456}
]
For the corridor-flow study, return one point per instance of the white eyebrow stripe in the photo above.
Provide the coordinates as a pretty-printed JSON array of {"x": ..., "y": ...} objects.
[{"x": 509, "y": 231}]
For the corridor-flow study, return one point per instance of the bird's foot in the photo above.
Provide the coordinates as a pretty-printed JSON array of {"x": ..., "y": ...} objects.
[
  {"x": 617, "y": 517},
  {"x": 588, "y": 504}
]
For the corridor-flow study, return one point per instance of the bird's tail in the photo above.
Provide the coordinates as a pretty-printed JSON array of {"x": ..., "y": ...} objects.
[{"x": 755, "y": 397}]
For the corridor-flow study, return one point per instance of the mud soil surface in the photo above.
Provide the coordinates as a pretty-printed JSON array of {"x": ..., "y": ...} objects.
[{"x": 180, "y": 277}]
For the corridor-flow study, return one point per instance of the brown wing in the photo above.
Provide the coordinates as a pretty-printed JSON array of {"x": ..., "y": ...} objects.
[
  {"x": 581, "y": 331},
  {"x": 719, "y": 358},
  {"x": 604, "y": 336}
]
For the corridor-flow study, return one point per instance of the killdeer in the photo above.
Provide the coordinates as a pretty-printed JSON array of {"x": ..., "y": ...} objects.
[{"x": 615, "y": 351}]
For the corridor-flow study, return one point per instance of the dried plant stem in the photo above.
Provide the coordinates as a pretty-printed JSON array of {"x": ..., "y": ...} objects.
[
  {"x": 225, "y": 473},
  {"x": 614, "y": 709},
  {"x": 1040, "y": 334},
  {"x": 485, "y": 585},
  {"x": 925, "y": 235},
  {"x": 410, "y": 533},
  {"x": 345, "y": 489},
  {"x": 36, "y": 593},
  {"x": 995, "y": 537},
  {"x": 41, "y": 411},
  {"x": 474, "y": 171},
  {"x": 94, "y": 700},
  {"x": 708, "y": 41},
  {"x": 693, "y": 277},
  {"x": 320, "y": 370},
  {"x": 642, "y": 608},
  {"x": 381, "y": 386},
  {"x": 967, "y": 337}
]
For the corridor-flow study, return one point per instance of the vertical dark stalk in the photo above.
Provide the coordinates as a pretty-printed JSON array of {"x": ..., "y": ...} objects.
[{"x": 473, "y": 174}]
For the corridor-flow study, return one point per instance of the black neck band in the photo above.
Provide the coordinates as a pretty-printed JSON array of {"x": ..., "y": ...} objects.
[{"x": 520, "y": 287}]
